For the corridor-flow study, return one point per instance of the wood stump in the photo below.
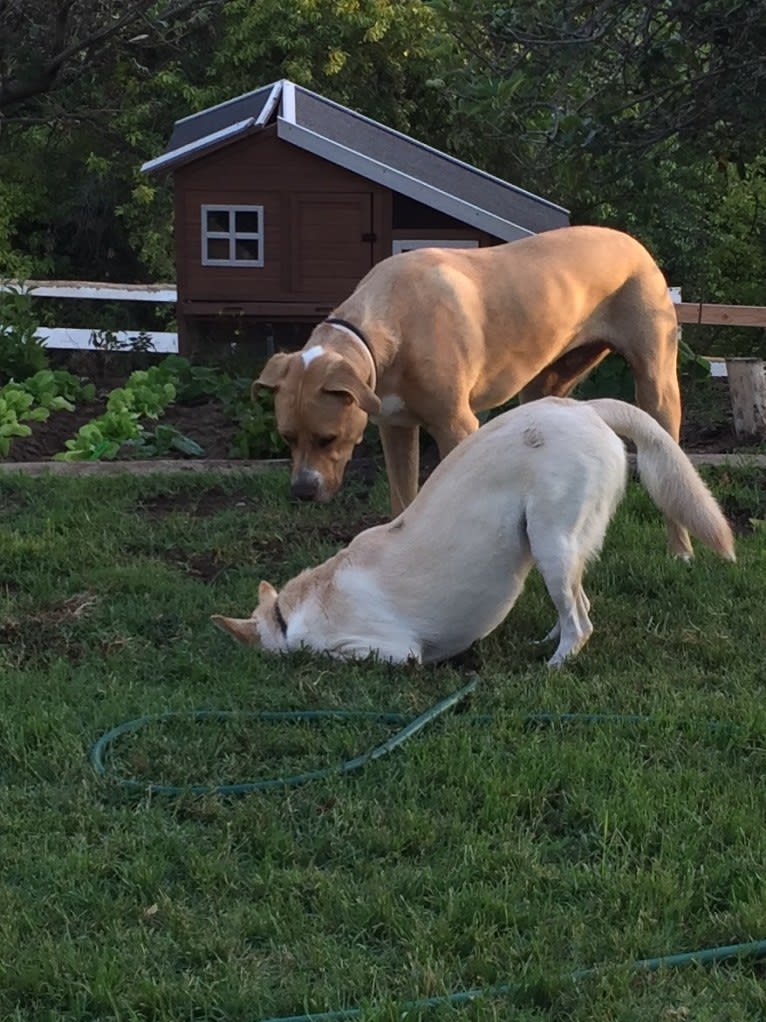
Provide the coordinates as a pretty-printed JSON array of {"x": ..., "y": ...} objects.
[{"x": 747, "y": 387}]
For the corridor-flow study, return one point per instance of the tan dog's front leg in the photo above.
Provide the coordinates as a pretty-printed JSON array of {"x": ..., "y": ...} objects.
[
  {"x": 448, "y": 435},
  {"x": 401, "y": 451}
]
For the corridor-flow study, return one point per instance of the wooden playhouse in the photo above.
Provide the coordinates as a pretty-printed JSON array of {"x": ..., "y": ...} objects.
[{"x": 285, "y": 199}]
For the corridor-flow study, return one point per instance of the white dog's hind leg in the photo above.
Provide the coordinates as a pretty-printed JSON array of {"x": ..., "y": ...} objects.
[
  {"x": 562, "y": 564},
  {"x": 583, "y": 606},
  {"x": 574, "y": 629}
]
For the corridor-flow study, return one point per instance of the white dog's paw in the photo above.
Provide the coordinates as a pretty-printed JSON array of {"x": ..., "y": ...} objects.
[{"x": 552, "y": 636}]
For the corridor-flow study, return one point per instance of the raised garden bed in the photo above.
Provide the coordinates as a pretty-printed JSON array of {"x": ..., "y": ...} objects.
[{"x": 211, "y": 418}]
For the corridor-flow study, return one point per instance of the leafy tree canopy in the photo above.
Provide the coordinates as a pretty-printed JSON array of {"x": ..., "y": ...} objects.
[{"x": 643, "y": 115}]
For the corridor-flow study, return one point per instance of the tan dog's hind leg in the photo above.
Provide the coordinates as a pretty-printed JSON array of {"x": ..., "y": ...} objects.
[{"x": 401, "y": 450}]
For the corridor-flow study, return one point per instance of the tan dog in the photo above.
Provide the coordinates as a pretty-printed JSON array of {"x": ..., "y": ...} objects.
[
  {"x": 537, "y": 485},
  {"x": 432, "y": 336}
]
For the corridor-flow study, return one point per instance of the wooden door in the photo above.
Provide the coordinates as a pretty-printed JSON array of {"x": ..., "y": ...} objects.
[{"x": 331, "y": 244}]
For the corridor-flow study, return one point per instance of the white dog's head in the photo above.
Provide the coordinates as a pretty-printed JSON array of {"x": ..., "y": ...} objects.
[{"x": 264, "y": 628}]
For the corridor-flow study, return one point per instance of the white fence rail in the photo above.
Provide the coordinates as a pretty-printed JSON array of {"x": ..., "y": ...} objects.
[{"x": 81, "y": 338}]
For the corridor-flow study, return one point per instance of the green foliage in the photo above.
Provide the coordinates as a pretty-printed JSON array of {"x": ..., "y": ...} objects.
[
  {"x": 34, "y": 399},
  {"x": 617, "y": 83},
  {"x": 194, "y": 382},
  {"x": 21, "y": 351},
  {"x": 378, "y": 56},
  {"x": 102, "y": 438},
  {"x": 15, "y": 405},
  {"x": 57, "y": 389},
  {"x": 257, "y": 435},
  {"x": 613, "y": 377},
  {"x": 644, "y": 116},
  {"x": 162, "y": 441},
  {"x": 146, "y": 394}
]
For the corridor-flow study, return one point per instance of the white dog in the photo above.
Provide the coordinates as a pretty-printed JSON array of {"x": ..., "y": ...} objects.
[{"x": 537, "y": 485}]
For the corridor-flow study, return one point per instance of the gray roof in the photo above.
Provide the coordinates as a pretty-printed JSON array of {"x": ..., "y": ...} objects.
[{"x": 368, "y": 148}]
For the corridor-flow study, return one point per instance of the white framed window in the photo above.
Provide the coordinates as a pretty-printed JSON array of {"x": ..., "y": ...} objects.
[
  {"x": 232, "y": 235},
  {"x": 402, "y": 245}
]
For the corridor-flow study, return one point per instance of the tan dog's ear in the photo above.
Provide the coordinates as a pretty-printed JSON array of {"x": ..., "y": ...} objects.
[
  {"x": 243, "y": 629},
  {"x": 341, "y": 379},
  {"x": 267, "y": 594},
  {"x": 272, "y": 373}
]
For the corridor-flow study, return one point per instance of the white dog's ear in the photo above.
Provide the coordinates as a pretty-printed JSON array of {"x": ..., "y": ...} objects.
[
  {"x": 243, "y": 629},
  {"x": 267, "y": 594},
  {"x": 272, "y": 373},
  {"x": 341, "y": 379}
]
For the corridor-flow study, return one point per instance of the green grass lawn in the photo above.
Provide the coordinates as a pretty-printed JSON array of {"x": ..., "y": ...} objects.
[{"x": 476, "y": 854}]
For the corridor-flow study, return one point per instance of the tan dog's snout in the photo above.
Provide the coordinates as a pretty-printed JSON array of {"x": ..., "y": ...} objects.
[{"x": 308, "y": 484}]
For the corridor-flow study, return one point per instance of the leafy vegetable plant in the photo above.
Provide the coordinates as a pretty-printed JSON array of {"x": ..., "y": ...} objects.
[
  {"x": 146, "y": 394},
  {"x": 34, "y": 399}
]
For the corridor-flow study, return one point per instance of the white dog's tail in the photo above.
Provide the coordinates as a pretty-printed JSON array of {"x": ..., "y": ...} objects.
[{"x": 670, "y": 478}]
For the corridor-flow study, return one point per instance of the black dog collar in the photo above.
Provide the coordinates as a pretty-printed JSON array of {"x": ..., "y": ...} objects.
[
  {"x": 282, "y": 624},
  {"x": 337, "y": 321}
]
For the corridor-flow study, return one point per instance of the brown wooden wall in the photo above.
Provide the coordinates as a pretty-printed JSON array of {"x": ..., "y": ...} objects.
[{"x": 315, "y": 216}]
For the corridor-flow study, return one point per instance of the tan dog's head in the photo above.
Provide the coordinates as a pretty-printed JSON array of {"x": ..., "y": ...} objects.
[
  {"x": 262, "y": 628},
  {"x": 322, "y": 405}
]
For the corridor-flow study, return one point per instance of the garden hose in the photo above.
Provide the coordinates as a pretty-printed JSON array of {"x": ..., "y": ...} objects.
[
  {"x": 703, "y": 956},
  {"x": 706, "y": 956},
  {"x": 275, "y": 716}
]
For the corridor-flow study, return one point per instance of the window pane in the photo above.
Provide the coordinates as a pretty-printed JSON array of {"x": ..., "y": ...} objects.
[
  {"x": 218, "y": 220},
  {"x": 218, "y": 248},
  {"x": 248, "y": 248},
  {"x": 248, "y": 222}
]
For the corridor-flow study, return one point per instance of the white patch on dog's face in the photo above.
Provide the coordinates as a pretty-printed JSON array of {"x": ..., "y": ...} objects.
[{"x": 310, "y": 354}]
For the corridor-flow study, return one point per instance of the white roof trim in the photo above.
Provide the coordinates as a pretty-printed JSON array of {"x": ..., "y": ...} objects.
[
  {"x": 288, "y": 101},
  {"x": 199, "y": 146},
  {"x": 270, "y": 105},
  {"x": 397, "y": 180}
]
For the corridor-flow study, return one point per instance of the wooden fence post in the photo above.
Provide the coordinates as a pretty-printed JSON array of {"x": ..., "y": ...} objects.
[{"x": 747, "y": 386}]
